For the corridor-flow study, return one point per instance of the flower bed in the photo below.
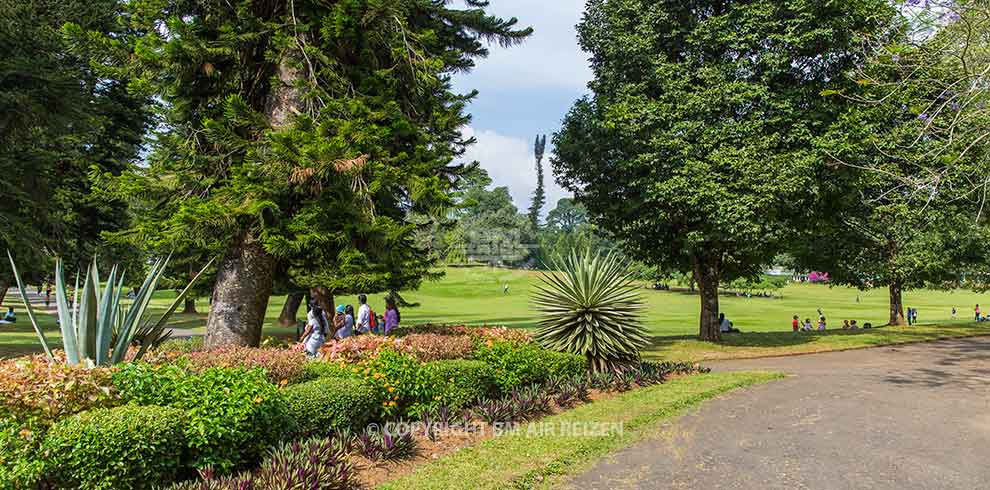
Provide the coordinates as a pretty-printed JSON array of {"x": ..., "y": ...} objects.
[{"x": 220, "y": 412}]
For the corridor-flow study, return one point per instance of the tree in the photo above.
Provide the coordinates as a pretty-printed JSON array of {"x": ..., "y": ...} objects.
[
  {"x": 694, "y": 147},
  {"x": 539, "y": 195},
  {"x": 300, "y": 134},
  {"x": 568, "y": 215},
  {"x": 61, "y": 120}
]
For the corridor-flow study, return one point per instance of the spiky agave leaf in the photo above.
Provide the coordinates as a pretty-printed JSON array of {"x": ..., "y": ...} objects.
[{"x": 591, "y": 306}]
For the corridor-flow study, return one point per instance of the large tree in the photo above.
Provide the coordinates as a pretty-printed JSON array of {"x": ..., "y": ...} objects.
[
  {"x": 539, "y": 193},
  {"x": 300, "y": 134},
  {"x": 694, "y": 147}
]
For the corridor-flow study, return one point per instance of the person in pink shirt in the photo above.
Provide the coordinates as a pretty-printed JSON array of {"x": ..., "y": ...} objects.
[{"x": 392, "y": 316}]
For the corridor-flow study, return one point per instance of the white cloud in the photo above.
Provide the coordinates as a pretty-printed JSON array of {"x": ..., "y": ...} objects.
[{"x": 511, "y": 163}]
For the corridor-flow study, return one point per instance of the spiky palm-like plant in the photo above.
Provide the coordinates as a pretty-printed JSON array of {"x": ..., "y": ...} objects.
[{"x": 591, "y": 307}]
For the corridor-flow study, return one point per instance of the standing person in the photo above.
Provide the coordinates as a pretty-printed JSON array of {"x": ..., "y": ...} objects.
[
  {"x": 909, "y": 316},
  {"x": 977, "y": 312},
  {"x": 346, "y": 327},
  {"x": 795, "y": 323},
  {"x": 845, "y": 324},
  {"x": 317, "y": 327},
  {"x": 914, "y": 316},
  {"x": 821, "y": 323},
  {"x": 363, "y": 324},
  {"x": 48, "y": 298},
  {"x": 953, "y": 312},
  {"x": 505, "y": 288},
  {"x": 392, "y": 315}
]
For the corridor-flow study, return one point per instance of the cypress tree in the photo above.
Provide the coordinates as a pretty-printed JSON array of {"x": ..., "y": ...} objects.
[{"x": 539, "y": 195}]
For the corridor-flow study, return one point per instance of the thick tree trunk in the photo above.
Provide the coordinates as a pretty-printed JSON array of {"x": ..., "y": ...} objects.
[
  {"x": 896, "y": 304},
  {"x": 190, "y": 306},
  {"x": 240, "y": 296},
  {"x": 706, "y": 269},
  {"x": 288, "y": 316},
  {"x": 323, "y": 297}
]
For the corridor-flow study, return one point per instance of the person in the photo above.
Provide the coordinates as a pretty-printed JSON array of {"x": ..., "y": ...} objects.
[
  {"x": 10, "y": 317},
  {"x": 953, "y": 312},
  {"x": 853, "y": 325},
  {"x": 867, "y": 325},
  {"x": 845, "y": 324},
  {"x": 345, "y": 328},
  {"x": 505, "y": 288},
  {"x": 725, "y": 325},
  {"x": 977, "y": 312},
  {"x": 363, "y": 324},
  {"x": 807, "y": 325},
  {"x": 909, "y": 316},
  {"x": 391, "y": 315},
  {"x": 914, "y": 316},
  {"x": 821, "y": 324},
  {"x": 48, "y": 298},
  {"x": 317, "y": 326},
  {"x": 795, "y": 323}
]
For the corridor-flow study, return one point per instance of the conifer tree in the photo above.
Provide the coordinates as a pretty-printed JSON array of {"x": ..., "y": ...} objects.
[
  {"x": 539, "y": 195},
  {"x": 299, "y": 135}
]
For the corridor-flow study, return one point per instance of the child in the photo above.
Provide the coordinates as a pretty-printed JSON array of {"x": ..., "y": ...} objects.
[
  {"x": 845, "y": 324},
  {"x": 807, "y": 325},
  {"x": 795, "y": 324},
  {"x": 853, "y": 325},
  {"x": 821, "y": 324}
]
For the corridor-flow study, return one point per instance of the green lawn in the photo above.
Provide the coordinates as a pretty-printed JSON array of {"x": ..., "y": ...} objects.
[
  {"x": 474, "y": 296},
  {"x": 555, "y": 447}
]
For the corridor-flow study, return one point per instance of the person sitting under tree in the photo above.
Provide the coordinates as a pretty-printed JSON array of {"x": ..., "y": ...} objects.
[
  {"x": 10, "y": 317},
  {"x": 725, "y": 325}
]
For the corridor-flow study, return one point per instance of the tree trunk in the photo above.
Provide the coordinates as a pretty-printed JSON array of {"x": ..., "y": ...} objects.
[
  {"x": 288, "y": 316},
  {"x": 3, "y": 291},
  {"x": 706, "y": 271},
  {"x": 896, "y": 304},
  {"x": 190, "y": 307},
  {"x": 240, "y": 296},
  {"x": 323, "y": 297}
]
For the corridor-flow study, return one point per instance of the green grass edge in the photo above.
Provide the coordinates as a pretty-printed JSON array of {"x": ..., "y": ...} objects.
[{"x": 646, "y": 406}]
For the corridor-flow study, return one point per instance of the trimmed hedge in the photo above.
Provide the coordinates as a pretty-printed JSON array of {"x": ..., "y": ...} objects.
[
  {"x": 516, "y": 365},
  {"x": 328, "y": 404},
  {"x": 455, "y": 383},
  {"x": 132, "y": 447},
  {"x": 233, "y": 416}
]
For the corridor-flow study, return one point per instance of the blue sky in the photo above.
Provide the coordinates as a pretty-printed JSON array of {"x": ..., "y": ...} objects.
[{"x": 525, "y": 90}]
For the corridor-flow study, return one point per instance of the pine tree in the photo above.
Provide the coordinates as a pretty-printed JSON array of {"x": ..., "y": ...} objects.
[
  {"x": 299, "y": 136},
  {"x": 539, "y": 195}
]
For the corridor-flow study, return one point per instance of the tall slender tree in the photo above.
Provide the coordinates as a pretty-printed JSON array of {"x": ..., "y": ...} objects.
[
  {"x": 300, "y": 135},
  {"x": 539, "y": 194}
]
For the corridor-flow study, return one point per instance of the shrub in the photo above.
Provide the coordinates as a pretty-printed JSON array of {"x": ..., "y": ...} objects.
[
  {"x": 395, "y": 378},
  {"x": 330, "y": 404},
  {"x": 123, "y": 447},
  {"x": 592, "y": 308},
  {"x": 316, "y": 368},
  {"x": 281, "y": 365},
  {"x": 517, "y": 335},
  {"x": 516, "y": 365},
  {"x": 185, "y": 345},
  {"x": 21, "y": 465},
  {"x": 37, "y": 391},
  {"x": 232, "y": 415},
  {"x": 316, "y": 464},
  {"x": 427, "y": 347},
  {"x": 357, "y": 348},
  {"x": 386, "y": 445},
  {"x": 454, "y": 383}
]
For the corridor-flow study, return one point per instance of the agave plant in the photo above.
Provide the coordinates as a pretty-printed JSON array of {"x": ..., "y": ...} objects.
[
  {"x": 97, "y": 328},
  {"x": 591, "y": 307}
]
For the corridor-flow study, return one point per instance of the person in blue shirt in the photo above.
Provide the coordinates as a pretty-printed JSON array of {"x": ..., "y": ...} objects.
[{"x": 10, "y": 317}]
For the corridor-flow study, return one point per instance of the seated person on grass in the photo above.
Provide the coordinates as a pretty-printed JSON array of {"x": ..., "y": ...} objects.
[
  {"x": 725, "y": 325},
  {"x": 806, "y": 327},
  {"x": 853, "y": 325},
  {"x": 10, "y": 317}
]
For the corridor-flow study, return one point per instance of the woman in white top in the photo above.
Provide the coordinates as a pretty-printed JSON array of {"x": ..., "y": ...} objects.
[{"x": 317, "y": 327}]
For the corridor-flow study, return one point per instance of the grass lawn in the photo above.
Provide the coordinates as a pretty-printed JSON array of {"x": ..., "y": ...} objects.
[
  {"x": 473, "y": 295},
  {"x": 527, "y": 459}
]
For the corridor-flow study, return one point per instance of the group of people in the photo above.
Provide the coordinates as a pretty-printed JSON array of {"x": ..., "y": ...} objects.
[
  {"x": 320, "y": 326},
  {"x": 806, "y": 326}
]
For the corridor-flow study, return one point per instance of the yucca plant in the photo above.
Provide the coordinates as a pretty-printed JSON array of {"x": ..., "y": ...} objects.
[
  {"x": 98, "y": 328},
  {"x": 590, "y": 306}
]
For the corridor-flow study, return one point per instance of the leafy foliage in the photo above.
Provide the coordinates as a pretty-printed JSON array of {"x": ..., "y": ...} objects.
[
  {"x": 454, "y": 384},
  {"x": 312, "y": 464},
  {"x": 130, "y": 446},
  {"x": 282, "y": 366},
  {"x": 232, "y": 415},
  {"x": 591, "y": 308},
  {"x": 516, "y": 365},
  {"x": 325, "y": 405},
  {"x": 36, "y": 390},
  {"x": 386, "y": 445}
]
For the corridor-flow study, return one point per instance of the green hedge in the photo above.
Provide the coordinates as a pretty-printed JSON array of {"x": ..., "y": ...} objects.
[
  {"x": 455, "y": 383},
  {"x": 516, "y": 365},
  {"x": 233, "y": 416},
  {"x": 128, "y": 447},
  {"x": 328, "y": 404}
]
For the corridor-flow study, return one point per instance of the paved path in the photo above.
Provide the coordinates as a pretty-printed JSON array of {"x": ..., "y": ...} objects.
[{"x": 902, "y": 417}]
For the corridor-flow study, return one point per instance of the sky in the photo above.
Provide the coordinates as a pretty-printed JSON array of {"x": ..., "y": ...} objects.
[{"x": 525, "y": 90}]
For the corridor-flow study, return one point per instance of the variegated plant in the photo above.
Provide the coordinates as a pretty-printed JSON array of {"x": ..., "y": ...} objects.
[
  {"x": 97, "y": 328},
  {"x": 591, "y": 306}
]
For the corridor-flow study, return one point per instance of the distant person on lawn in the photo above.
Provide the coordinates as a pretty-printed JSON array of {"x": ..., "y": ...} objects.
[
  {"x": 392, "y": 315},
  {"x": 977, "y": 312},
  {"x": 363, "y": 324},
  {"x": 10, "y": 317},
  {"x": 725, "y": 325},
  {"x": 953, "y": 312},
  {"x": 317, "y": 327},
  {"x": 795, "y": 323},
  {"x": 821, "y": 324},
  {"x": 807, "y": 325},
  {"x": 845, "y": 324}
]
